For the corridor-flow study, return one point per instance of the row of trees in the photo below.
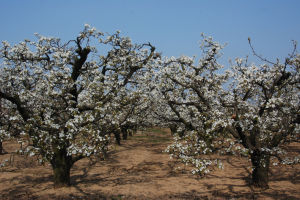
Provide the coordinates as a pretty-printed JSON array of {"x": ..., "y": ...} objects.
[{"x": 67, "y": 98}]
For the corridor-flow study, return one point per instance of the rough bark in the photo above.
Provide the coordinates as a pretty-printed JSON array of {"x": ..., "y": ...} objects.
[
  {"x": 260, "y": 174},
  {"x": 61, "y": 165}
]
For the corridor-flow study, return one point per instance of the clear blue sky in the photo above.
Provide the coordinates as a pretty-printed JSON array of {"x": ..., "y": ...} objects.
[{"x": 173, "y": 26}]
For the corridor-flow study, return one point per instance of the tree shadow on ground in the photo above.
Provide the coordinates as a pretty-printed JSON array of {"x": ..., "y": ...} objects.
[
  {"x": 276, "y": 175},
  {"x": 85, "y": 175}
]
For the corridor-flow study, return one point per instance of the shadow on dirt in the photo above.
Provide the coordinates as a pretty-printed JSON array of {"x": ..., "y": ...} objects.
[{"x": 88, "y": 178}]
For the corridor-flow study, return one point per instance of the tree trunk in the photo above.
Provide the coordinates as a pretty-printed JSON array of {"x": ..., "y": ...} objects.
[
  {"x": 1, "y": 148},
  {"x": 118, "y": 137},
  {"x": 133, "y": 130},
  {"x": 124, "y": 133},
  {"x": 61, "y": 165},
  {"x": 130, "y": 132},
  {"x": 173, "y": 129},
  {"x": 260, "y": 174}
]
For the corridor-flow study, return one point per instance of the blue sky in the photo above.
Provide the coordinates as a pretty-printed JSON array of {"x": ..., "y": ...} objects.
[{"x": 173, "y": 26}]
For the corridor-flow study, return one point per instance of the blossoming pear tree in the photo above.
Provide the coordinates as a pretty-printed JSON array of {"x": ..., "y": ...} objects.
[
  {"x": 265, "y": 105},
  {"x": 66, "y": 96},
  {"x": 191, "y": 96},
  {"x": 251, "y": 110}
]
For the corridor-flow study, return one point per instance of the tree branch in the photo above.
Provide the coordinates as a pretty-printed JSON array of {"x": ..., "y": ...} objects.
[{"x": 16, "y": 100}]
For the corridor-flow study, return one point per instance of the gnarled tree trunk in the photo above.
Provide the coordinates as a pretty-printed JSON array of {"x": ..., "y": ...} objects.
[
  {"x": 260, "y": 164},
  {"x": 61, "y": 165}
]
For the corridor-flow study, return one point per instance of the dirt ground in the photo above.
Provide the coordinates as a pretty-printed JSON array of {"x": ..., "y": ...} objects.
[{"x": 139, "y": 170}]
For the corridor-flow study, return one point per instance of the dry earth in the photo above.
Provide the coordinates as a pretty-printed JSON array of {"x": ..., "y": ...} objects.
[{"x": 139, "y": 170}]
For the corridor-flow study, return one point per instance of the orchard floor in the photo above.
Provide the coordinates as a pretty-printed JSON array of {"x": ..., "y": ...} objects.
[{"x": 139, "y": 170}]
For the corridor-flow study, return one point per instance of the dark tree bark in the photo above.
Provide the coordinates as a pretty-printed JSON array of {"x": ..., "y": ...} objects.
[
  {"x": 260, "y": 164},
  {"x": 174, "y": 130},
  {"x": 61, "y": 165},
  {"x": 130, "y": 132},
  {"x": 118, "y": 137},
  {"x": 1, "y": 148},
  {"x": 260, "y": 160},
  {"x": 124, "y": 133}
]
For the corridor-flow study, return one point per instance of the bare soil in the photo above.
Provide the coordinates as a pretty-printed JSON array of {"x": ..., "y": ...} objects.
[{"x": 139, "y": 170}]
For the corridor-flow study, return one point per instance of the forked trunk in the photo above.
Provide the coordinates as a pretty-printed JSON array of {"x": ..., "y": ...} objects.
[
  {"x": 61, "y": 165},
  {"x": 260, "y": 174}
]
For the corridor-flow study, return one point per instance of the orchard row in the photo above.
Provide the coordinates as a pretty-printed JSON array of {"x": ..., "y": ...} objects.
[{"x": 67, "y": 98}]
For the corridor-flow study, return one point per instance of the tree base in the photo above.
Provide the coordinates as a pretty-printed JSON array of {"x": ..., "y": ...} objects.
[
  {"x": 262, "y": 186},
  {"x": 61, "y": 185},
  {"x": 260, "y": 174}
]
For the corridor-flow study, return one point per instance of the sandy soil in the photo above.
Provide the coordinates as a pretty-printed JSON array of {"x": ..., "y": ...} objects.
[{"x": 139, "y": 170}]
